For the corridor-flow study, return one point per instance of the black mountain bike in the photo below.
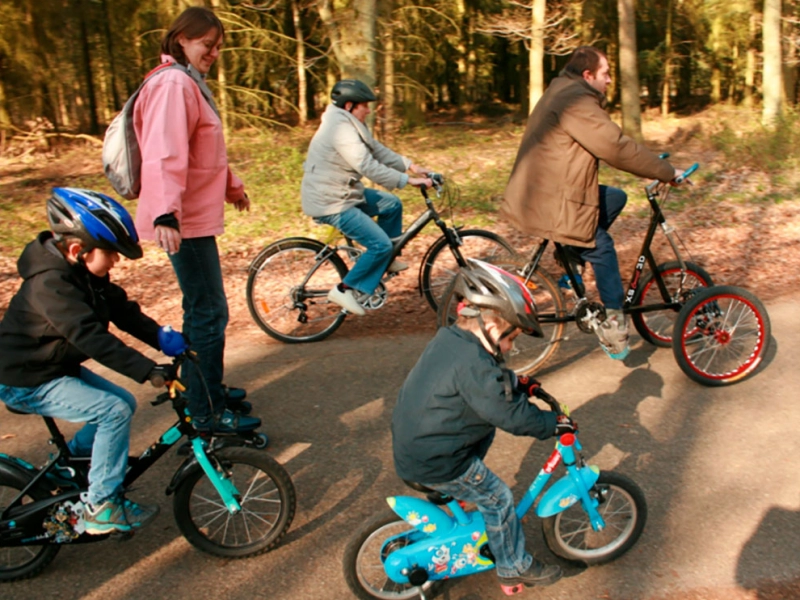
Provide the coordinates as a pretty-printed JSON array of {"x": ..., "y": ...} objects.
[
  {"x": 228, "y": 501},
  {"x": 290, "y": 279},
  {"x": 719, "y": 334}
]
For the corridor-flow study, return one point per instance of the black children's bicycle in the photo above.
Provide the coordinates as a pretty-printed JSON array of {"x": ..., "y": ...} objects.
[
  {"x": 290, "y": 279},
  {"x": 228, "y": 501},
  {"x": 719, "y": 334}
]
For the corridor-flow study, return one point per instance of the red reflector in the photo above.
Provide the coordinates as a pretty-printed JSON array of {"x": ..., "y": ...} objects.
[{"x": 567, "y": 439}]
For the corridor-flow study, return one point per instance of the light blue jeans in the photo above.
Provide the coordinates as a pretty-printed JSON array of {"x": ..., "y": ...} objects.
[
  {"x": 496, "y": 504},
  {"x": 357, "y": 224},
  {"x": 107, "y": 410}
]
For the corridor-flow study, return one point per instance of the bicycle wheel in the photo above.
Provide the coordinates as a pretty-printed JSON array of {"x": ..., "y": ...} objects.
[
  {"x": 529, "y": 353},
  {"x": 288, "y": 287},
  {"x": 569, "y": 534},
  {"x": 366, "y": 552},
  {"x": 439, "y": 265},
  {"x": 22, "y": 562},
  {"x": 264, "y": 491},
  {"x": 656, "y": 327},
  {"x": 721, "y": 335}
]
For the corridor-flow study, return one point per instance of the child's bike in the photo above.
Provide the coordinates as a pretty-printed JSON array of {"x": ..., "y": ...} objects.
[
  {"x": 589, "y": 517},
  {"x": 228, "y": 501},
  {"x": 719, "y": 334},
  {"x": 290, "y": 279}
]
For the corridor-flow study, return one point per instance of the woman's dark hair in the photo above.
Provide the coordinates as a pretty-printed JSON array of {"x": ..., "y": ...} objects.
[
  {"x": 584, "y": 58},
  {"x": 194, "y": 22}
]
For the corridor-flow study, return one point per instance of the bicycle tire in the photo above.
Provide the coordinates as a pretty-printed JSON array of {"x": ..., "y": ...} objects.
[
  {"x": 721, "y": 335},
  {"x": 438, "y": 267},
  {"x": 656, "y": 327},
  {"x": 22, "y": 562},
  {"x": 528, "y": 353},
  {"x": 368, "y": 580},
  {"x": 265, "y": 492},
  {"x": 287, "y": 298},
  {"x": 569, "y": 534}
]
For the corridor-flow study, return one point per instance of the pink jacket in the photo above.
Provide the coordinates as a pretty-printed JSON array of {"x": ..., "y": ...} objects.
[{"x": 184, "y": 162}]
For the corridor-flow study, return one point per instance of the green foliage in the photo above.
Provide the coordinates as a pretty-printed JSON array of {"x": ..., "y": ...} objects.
[{"x": 761, "y": 148}]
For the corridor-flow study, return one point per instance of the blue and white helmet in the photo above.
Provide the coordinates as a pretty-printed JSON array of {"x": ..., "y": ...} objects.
[{"x": 95, "y": 219}]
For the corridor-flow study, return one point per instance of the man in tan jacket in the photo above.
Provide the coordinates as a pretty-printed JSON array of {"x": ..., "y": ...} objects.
[{"x": 553, "y": 191}]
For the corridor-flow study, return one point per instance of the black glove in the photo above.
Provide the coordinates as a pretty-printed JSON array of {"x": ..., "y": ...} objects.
[
  {"x": 527, "y": 385},
  {"x": 160, "y": 375},
  {"x": 565, "y": 425}
]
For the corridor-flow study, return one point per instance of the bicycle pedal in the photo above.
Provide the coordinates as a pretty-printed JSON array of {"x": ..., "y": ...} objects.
[
  {"x": 122, "y": 536},
  {"x": 510, "y": 590}
]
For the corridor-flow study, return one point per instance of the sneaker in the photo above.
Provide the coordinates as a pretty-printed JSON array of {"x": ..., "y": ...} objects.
[
  {"x": 613, "y": 334},
  {"x": 347, "y": 300},
  {"x": 537, "y": 574},
  {"x": 117, "y": 514},
  {"x": 229, "y": 423},
  {"x": 235, "y": 400},
  {"x": 396, "y": 266}
]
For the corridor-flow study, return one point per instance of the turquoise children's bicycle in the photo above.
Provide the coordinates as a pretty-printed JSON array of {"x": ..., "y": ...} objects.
[{"x": 589, "y": 517}]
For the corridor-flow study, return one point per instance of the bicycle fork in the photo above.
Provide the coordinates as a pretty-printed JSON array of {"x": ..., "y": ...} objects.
[{"x": 224, "y": 486}]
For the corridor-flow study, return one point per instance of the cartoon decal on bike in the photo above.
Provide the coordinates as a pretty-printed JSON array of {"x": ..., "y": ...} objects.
[
  {"x": 589, "y": 516},
  {"x": 229, "y": 500}
]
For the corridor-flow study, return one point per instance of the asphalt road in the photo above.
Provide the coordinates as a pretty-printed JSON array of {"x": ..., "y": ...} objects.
[{"x": 718, "y": 466}]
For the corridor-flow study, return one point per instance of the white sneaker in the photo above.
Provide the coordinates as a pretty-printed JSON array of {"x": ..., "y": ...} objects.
[
  {"x": 613, "y": 334},
  {"x": 396, "y": 266},
  {"x": 346, "y": 300}
]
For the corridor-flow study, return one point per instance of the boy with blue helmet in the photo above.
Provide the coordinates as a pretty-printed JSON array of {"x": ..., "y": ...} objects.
[{"x": 58, "y": 319}]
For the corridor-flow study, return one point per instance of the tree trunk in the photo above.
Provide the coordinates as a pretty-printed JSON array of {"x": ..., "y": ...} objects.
[
  {"x": 629, "y": 70},
  {"x": 302, "y": 85},
  {"x": 222, "y": 95},
  {"x": 462, "y": 50},
  {"x": 665, "y": 86},
  {"x": 388, "y": 83},
  {"x": 111, "y": 65},
  {"x": 789, "y": 65},
  {"x": 352, "y": 33},
  {"x": 750, "y": 65},
  {"x": 536, "y": 54},
  {"x": 772, "y": 80},
  {"x": 94, "y": 125},
  {"x": 716, "y": 72}
]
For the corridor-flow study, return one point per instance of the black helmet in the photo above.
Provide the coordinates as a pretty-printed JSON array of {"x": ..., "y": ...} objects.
[
  {"x": 95, "y": 219},
  {"x": 489, "y": 287},
  {"x": 351, "y": 90}
]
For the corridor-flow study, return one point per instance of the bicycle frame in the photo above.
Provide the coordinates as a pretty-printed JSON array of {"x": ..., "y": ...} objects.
[{"x": 455, "y": 546}]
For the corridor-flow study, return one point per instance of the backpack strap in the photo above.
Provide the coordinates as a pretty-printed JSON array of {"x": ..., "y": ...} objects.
[{"x": 191, "y": 73}]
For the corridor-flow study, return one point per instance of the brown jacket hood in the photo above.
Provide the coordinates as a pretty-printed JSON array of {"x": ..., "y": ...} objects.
[{"x": 553, "y": 189}]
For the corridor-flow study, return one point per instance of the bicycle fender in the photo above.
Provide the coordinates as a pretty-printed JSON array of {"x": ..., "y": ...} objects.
[
  {"x": 563, "y": 493},
  {"x": 256, "y": 262},
  {"x": 16, "y": 467},
  {"x": 419, "y": 513},
  {"x": 186, "y": 468}
]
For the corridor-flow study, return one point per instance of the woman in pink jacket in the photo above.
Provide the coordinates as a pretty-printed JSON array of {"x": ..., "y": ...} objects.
[{"x": 186, "y": 181}]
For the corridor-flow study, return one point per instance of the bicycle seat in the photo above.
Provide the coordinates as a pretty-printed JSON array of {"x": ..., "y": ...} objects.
[{"x": 433, "y": 496}]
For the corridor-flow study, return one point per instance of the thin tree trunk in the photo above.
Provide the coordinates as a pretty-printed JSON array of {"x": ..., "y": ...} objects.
[
  {"x": 222, "y": 95},
  {"x": 302, "y": 85},
  {"x": 750, "y": 65},
  {"x": 536, "y": 54},
  {"x": 716, "y": 72},
  {"x": 629, "y": 70},
  {"x": 665, "y": 86},
  {"x": 111, "y": 65},
  {"x": 94, "y": 125},
  {"x": 772, "y": 80},
  {"x": 388, "y": 83}
]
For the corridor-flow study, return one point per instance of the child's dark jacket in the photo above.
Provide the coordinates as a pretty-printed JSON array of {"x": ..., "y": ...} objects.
[
  {"x": 59, "y": 318},
  {"x": 449, "y": 407}
]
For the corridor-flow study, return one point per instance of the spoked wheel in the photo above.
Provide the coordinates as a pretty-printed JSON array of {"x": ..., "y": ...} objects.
[
  {"x": 656, "y": 327},
  {"x": 439, "y": 265},
  {"x": 288, "y": 287},
  {"x": 367, "y": 551},
  {"x": 721, "y": 335},
  {"x": 264, "y": 491},
  {"x": 22, "y": 562},
  {"x": 529, "y": 353},
  {"x": 570, "y": 535}
]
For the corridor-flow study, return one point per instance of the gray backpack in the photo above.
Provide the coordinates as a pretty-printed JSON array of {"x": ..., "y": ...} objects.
[{"x": 122, "y": 158}]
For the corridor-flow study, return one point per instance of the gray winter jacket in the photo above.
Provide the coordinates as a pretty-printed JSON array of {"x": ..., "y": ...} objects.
[{"x": 341, "y": 152}]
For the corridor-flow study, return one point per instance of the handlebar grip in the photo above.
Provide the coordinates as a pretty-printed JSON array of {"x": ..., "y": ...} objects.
[
  {"x": 663, "y": 155},
  {"x": 687, "y": 172}
]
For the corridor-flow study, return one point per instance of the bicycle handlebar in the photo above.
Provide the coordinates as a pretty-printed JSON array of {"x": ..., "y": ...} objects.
[{"x": 687, "y": 172}]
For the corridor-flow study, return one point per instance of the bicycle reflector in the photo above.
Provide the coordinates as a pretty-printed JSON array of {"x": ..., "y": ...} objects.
[{"x": 172, "y": 342}]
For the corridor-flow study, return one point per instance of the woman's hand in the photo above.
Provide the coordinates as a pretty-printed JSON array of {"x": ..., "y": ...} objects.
[
  {"x": 243, "y": 203},
  {"x": 420, "y": 182},
  {"x": 168, "y": 238},
  {"x": 417, "y": 170}
]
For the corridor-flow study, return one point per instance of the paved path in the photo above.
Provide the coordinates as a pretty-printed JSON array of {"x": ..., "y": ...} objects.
[{"x": 719, "y": 468}]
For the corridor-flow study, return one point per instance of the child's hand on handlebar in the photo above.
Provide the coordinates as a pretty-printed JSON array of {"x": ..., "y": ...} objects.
[
  {"x": 565, "y": 425},
  {"x": 160, "y": 375}
]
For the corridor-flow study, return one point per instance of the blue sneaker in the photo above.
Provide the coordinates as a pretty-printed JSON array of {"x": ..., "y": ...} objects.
[
  {"x": 229, "y": 423},
  {"x": 117, "y": 514}
]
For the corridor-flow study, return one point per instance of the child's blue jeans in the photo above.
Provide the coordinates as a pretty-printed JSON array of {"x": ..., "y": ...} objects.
[
  {"x": 107, "y": 410},
  {"x": 496, "y": 504}
]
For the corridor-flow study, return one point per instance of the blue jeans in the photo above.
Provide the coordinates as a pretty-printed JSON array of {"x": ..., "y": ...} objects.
[
  {"x": 107, "y": 410},
  {"x": 205, "y": 317},
  {"x": 496, "y": 504},
  {"x": 357, "y": 224},
  {"x": 603, "y": 257}
]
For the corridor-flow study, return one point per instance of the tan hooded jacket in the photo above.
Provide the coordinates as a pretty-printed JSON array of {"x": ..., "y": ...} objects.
[{"x": 553, "y": 189}]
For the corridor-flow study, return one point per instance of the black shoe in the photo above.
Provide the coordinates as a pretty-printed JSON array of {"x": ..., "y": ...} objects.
[
  {"x": 235, "y": 400},
  {"x": 537, "y": 574}
]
